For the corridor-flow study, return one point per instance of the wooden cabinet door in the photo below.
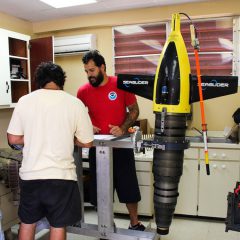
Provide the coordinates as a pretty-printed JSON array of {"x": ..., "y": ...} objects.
[
  {"x": 214, "y": 188},
  {"x": 188, "y": 188},
  {"x": 5, "y": 87},
  {"x": 41, "y": 50}
]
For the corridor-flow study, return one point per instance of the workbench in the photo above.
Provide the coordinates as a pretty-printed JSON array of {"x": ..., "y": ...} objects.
[{"x": 106, "y": 229}]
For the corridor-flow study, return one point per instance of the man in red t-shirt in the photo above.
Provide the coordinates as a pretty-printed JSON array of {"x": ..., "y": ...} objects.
[{"x": 112, "y": 111}]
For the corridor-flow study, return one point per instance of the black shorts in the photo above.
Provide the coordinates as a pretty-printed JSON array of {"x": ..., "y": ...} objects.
[
  {"x": 124, "y": 176},
  {"x": 57, "y": 200}
]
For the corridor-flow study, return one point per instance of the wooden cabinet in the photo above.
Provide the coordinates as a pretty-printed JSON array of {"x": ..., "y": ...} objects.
[
  {"x": 18, "y": 66},
  {"x": 213, "y": 189},
  {"x": 5, "y": 79},
  {"x": 199, "y": 194},
  {"x": 206, "y": 195},
  {"x": 15, "y": 61}
]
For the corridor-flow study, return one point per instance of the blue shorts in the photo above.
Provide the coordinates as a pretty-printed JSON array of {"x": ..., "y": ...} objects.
[{"x": 57, "y": 200}]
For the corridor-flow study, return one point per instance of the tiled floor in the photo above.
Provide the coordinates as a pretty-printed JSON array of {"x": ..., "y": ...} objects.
[
  {"x": 181, "y": 228},
  {"x": 192, "y": 229}
]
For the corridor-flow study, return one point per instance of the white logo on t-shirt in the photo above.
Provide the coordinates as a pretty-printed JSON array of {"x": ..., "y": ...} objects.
[{"x": 112, "y": 96}]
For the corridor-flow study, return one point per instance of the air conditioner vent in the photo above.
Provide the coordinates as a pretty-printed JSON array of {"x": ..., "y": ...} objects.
[{"x": 72, "y": 45}]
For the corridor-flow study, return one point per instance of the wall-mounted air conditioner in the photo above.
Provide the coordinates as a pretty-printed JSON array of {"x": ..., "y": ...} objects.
[{"x": 71, "y": 45}]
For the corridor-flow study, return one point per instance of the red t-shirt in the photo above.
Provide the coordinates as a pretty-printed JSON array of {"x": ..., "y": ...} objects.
[{"x": 106, "y": 104}]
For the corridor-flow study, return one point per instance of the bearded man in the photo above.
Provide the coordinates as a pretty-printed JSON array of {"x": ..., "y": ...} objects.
[{"x": 112, "y": 111}]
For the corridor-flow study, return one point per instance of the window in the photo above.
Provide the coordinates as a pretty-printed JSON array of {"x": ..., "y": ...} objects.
[
  {"x": 216, "y": 46},
  {"x": 138, "y": 47}
]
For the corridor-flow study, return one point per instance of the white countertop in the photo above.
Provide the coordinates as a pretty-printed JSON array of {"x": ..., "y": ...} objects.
[{"x": 217, "y": 145}]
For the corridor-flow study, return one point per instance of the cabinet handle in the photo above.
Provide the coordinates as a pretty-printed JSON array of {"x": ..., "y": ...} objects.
[
  {"x": 214, "y": 165},
  {"x": 7, "y": 87},
  {"x": 214, "y": 155},
  {"x": 224, "y": 155}
]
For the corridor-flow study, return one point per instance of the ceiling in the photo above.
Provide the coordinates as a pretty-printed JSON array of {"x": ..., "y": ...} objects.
[{"x": 35, "y": 10}]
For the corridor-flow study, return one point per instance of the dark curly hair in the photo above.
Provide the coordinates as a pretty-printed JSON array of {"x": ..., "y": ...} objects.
[
  {"x": 95, "y": 56},
  {"x": 49, "y": 72}
]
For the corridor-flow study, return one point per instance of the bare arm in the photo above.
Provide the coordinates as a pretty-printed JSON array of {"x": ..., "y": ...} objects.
[
  {"x": 15, "y": 139},
  {"x": 131, "y": 117},
  {"x": 85, "y": 145}
]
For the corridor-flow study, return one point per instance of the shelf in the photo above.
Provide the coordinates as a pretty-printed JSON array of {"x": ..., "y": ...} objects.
[
  {"x": 18, "y": 68},
  {"x": 19, "y": 80},
  {"x": 17, "y": 57},
  {"x": 17, "y": 47},
  {"x": 19, "y": 88}
]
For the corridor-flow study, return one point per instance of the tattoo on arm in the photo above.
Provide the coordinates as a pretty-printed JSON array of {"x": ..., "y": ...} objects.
[{"x": 131, "y": 117}]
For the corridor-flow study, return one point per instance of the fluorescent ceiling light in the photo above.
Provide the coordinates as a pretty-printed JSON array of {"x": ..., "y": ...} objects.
[{"x": 67, "y": 3}]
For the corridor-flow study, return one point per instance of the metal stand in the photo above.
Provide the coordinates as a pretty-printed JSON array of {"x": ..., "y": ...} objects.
[{"x": 106, "y": 228}]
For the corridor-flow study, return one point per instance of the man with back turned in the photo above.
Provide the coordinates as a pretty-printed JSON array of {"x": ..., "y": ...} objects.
[{"x": 47, "y": 122}]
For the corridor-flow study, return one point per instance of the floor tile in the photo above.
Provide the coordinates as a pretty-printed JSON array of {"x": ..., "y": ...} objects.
[{"x": 182, "y": 228}]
